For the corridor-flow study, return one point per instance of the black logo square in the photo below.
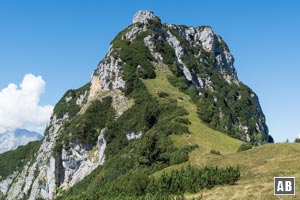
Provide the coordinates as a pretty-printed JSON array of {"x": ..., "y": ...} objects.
[{"x": 284, "y": 185}]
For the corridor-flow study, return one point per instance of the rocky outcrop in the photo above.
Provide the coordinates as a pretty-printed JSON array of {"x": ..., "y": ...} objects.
[
  {"x": 200, "y": 35},
  {"x": 131, "y": 135},
  {"x": 108, "y": 75},
  {"x": 143, "y": 16},
  {"x": 179, "y": 52},
  {"x": 81, "y": 98},
  {"x": 101, "y": 146},
  {"x": 134, "y": 31},
  {"x": 150, "y": 43},
  {"x": 77, "y": 163},
  {"x": 210, "y": 42}
]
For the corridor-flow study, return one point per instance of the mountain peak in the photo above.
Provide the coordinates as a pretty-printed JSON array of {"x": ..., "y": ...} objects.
[
  {"x": 143, "y": 16},
  {"x": 141, "y": 93}
]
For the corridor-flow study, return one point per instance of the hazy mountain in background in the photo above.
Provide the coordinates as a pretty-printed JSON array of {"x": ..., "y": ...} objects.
[{"x": 10, "y": 140}]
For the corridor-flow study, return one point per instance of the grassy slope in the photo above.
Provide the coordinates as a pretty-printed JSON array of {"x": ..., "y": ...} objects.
[{"x": 258, "y": 166}]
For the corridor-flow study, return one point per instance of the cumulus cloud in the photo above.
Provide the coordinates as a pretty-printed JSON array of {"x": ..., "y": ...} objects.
[{"x": 19, "y": 105}]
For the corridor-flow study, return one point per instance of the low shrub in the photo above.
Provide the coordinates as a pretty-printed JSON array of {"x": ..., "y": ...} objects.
[
  {"x": 216, "y": 152},
  {"x": 245, "y": 147},
  {"x": 162, "y": 94},
  {"x": 183, "y": 121}
]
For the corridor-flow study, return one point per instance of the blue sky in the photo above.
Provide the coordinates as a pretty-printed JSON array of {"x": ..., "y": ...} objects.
[{"x": 63, "y": 41}]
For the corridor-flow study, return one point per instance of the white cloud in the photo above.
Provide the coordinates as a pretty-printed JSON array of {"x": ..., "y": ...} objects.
[{"x": 19, "y": 106}]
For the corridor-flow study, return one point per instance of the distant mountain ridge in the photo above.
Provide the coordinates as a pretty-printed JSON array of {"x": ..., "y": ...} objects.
[{"x": 10, "y": 140}]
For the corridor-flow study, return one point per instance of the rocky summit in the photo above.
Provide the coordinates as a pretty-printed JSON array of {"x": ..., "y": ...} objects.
[{"x": 117, "y": 130}]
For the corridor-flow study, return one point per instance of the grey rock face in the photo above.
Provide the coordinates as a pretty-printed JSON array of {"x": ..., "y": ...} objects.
[
  {"x": 81, "y": 98},
  {"x": 101, "y": 146},
  {"x": 134, "y": 31},
  {"x": 149, "y": 42},
  {"x": 174, "y": 42},
  {"x": 131, "y": 135},
  {"x": 143, "y": 16},
  {"x": 108, "y": 75},
  {"x": 206, "y": 36},
  {"x": 179, "y": 52},
  {"x": 77, "y": 163},
  {"x": 205, "y": 83},
  {"x": 201, "y": 35},
  {"x": 5, "y": 184}
]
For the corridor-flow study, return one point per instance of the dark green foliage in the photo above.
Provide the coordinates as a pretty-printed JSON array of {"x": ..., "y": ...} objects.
[
  {"x": 245, "y": 147},
  {"x": 181, "y": 155},
  {"x": 162, "y": 94},
  {"x": 140, "y": 117},
  {"x": 137, "y": 58},
  {"x": 237, "y": 105},
  {"x": 15, "y": 160},
  {"x": 155, "y": 148},
  {"x": 136, "y": 184},
  {"x": 169, "y": 127},
  {"x": 216, "y": 152},
  {"x": 154, "y": 24},
  {"x": 178, "y": 156},
  {"x": 270, "y": 139},
  {"x": 223, "y": 45},
  {"x": 167, "y": 53},
  {"x": 297, "y": 140},
  {"x": 190, "y": 148},
  {"x": 179, "y": 82},
  {"x": 70, "y": 107},
  {"x": 186, "y": 87},
  {"x": 85, "y": 128},
  {"x": 57, "y": 148},
  {"x": 192, "y": 180},
  {"x": 183, "y": 121},
  {"x": 206, "y": 110}
]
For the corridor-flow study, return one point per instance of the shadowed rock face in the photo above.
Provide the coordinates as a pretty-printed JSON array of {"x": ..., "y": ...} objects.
[{"x": 204, "y": 62}]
